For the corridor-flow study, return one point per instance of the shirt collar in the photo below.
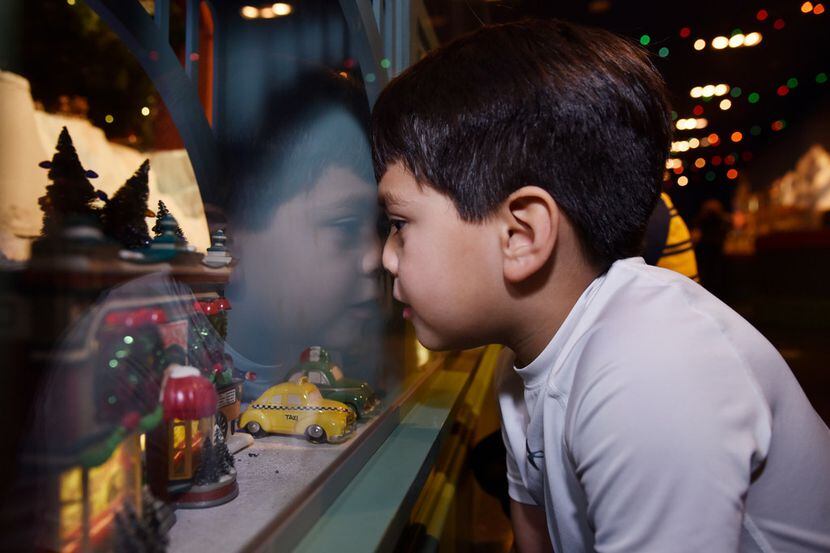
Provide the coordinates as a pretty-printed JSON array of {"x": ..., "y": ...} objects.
[{"x": 534, "y": 373}]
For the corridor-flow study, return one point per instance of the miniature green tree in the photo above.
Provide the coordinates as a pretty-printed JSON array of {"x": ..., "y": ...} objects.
[
  {"x": 124, "y": 215},
  {"x": 210, "y": 466},
  {"x": 70, "y": 192},
  {"x": 160, "y": 213}
]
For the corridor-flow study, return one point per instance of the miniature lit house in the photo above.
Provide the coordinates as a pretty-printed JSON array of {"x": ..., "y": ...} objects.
[
  {"x": 189, "y": 402},
  {"x": 83, "y": 466},
  {"x": 178, "y": 448},
  {"x": 92, "y": 496}
]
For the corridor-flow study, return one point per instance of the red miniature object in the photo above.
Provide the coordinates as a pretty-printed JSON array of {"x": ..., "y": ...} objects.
[
  {"x": 222, "y": 304},
  {"x": 188, "y": 395},
  {"x": 198, "y": 307},
  {"x": 137, "y": 317},
  {"x": 208, "y": 308},
  {"x": 131, "y": 420}
]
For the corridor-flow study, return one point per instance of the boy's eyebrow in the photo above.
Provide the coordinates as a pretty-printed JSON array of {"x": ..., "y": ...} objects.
[{"x": 390, "y": 199}]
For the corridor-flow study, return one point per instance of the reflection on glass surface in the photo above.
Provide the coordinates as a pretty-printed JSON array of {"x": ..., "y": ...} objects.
[
  {"x": 132, "y": 359},
  {"x": 303, "y": 214}
]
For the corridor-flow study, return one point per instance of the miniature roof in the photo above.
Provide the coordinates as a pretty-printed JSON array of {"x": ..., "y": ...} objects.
[{"x": 187, "y": 395}]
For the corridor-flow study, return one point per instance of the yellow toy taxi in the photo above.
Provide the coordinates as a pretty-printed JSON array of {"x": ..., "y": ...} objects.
[{"x": 298, "y": 408}]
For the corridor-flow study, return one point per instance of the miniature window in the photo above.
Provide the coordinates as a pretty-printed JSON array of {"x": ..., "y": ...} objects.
[
  {"x": 294, "y": 399},
  {"x": 315, "y": 397},
  {"x": 186, "y": 438},
  {"x": 276, "y": 399},
  {"x": 317, "y": 377}
]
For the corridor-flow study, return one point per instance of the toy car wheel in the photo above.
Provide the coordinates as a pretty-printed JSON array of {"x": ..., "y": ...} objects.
[
  {"x": 315, "y": 433},
  {"x": 254, "y": 429}
]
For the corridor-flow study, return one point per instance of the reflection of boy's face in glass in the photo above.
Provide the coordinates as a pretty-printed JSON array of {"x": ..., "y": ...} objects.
[
  {"x": 308, "y": 273},
  {"x": 310, "y": 270}
]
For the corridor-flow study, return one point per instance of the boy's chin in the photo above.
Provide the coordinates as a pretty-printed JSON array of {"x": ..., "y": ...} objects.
[{"x": 435, "y": 342}]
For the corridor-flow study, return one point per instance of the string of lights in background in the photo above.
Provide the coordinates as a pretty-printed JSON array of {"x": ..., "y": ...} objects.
[{"x": 726, "y": 96}]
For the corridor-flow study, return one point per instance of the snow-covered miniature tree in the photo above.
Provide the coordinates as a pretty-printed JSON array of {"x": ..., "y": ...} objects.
[{"x": 70, "y": 192}]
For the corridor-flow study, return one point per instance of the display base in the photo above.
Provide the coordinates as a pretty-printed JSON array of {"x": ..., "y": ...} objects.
[{"x": 209, "y": 495}]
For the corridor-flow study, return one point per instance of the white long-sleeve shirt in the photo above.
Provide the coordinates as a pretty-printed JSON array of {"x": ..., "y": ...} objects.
[{"x": 658, "y": 420}]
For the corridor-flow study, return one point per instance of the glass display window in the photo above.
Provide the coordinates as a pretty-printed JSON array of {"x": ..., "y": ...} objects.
[{"x": 187, "y": 185}]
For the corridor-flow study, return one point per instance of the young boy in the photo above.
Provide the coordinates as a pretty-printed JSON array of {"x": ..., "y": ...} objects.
[{"x": 518, "y": 167}]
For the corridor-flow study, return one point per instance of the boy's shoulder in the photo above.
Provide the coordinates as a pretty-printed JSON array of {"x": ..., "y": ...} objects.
[{"x": 651, "y": 323}]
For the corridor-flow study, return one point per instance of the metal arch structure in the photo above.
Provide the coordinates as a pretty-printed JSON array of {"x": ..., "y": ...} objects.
[
  {"x": 395, "y": 31},
  {"x": 147, "y": 37},
  {"x": 387, "y": 35}
]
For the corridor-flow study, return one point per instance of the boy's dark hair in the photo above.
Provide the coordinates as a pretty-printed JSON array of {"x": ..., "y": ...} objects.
[{"x": 577, "y": 111}]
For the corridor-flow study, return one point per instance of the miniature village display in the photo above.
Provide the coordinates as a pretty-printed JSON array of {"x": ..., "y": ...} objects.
[{"x": 117, "y": 350}]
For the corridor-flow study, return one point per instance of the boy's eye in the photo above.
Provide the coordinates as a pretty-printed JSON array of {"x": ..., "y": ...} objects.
[{"x": 397, "y": 224}]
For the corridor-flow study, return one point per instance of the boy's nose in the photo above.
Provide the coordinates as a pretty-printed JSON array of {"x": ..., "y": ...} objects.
[
  {"x": 390, "y": 257},
  {"x": 370, "y": 263}
]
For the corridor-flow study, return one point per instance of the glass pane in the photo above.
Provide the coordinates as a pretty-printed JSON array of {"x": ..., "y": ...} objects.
[{"x": 168, "y": 299}]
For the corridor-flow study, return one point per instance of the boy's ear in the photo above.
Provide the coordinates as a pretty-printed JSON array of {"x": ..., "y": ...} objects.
[{"x": 530, "y": 225}]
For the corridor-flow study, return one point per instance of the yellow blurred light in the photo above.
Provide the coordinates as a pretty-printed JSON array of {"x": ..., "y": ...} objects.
[
  {"x": 752, "y": 39},
  {"x": 109, "y": 118},
  {"x": 721, "y": 89},
  {"x": 249, "y": 12},
  {"x": 145, "y": 111},
  {"x": 725, "y": 104},
  {"x": 708, "y": 90},
  {"x": 700, "y": 163},
  {"x": 267, "y": 13},
  {"x": 422, "y": 354},
  {"x": 694, "y": 143},
  {"x": 683, "y": 181},
  {"x": 736, "y": 41},
  {"x": 737, "y": 136},
  {"x": 696, "y": 92},
  {"x": 281, "y": 8},
  {"x": 70, "y": 2},
  {"x": 700, "y": 44},
  {"x": 806, "y": 7},
  {"x": 701, "y": 123},
  {"x": 720, "y": 42}
]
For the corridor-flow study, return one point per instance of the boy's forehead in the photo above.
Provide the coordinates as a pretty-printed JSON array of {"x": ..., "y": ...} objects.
[{"x": 397, "y": 187}]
